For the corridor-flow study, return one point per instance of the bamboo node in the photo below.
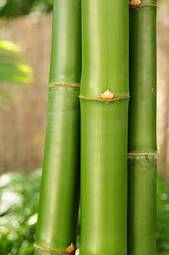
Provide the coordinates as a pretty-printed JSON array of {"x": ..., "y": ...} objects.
[
  {"x": 135, "y": 3},
  {"x": 134, "y": 6},
  {"x": 64, "y": 85},
  {"x": 142, "y": 154},
  {"x": 70, "y": 250},
  {"x": 107, "y": 95}
]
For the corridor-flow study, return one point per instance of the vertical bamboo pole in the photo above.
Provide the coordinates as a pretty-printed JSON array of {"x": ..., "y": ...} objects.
[
  {"x": 142, "y": 129},
  {"x": 56, "y": 230},
  {"x": 104, "y": 127}
]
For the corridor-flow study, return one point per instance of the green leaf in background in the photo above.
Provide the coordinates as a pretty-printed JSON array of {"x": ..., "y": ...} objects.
[
  {"x": 14, "y": 8},
  {"x": 13, "y": 67},
  {"x": 162, "y": 216},
  {"x": 19, "y": 196}
]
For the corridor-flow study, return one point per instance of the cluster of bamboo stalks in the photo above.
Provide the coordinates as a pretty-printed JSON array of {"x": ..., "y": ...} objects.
[{"x": 96, "y": 167}]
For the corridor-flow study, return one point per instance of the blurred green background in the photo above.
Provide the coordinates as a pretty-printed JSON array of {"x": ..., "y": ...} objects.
[
  {"x": 25, "y": 34},
  {"x": 14, "y": 8}
]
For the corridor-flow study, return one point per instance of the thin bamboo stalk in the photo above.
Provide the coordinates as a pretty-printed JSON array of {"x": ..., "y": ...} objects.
[
  {"x": 142, "y": 129},
  {"x": 58, "y": 212},
  {"x": 104, "y": 127}
]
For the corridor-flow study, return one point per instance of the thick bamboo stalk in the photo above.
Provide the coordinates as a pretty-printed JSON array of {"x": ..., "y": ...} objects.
[
  {"x": 142, "y": 129},
  {"x": 104, "y": 125},
  {"x": 56, "y": 230}
]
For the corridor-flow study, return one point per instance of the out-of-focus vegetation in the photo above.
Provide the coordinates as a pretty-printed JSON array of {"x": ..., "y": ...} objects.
[
  {"x": 19, "y": 195},
  {"x": 14, "y": 8},
  {"x": 162, "y": 216},
  {"x": 13, "y": 68}
]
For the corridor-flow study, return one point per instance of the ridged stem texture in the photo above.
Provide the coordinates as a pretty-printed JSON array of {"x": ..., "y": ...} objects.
[
  {"x": 142, "y": 130},
  {"x": 104, "y": 127},
  {"x": 57, "y": 221}
]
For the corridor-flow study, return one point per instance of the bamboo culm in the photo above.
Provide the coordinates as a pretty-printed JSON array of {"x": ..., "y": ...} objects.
[
  {"x": 104, "y": 127},
  {"x": 59, "y": 199},
  {"x": 142, "y": 129}
]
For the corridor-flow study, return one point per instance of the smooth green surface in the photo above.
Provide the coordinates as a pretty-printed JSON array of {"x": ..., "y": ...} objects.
[
  {"x": 104, "y": 128},
  {"x": 103, "y": 178},
  {"x": 142, "y": 111},
  {"x": 142, "y": 206},
  {"x": 59, "y": 190},
  {"x": 66, "y": 42},
  {"x": 38, "y": 252},
  {"x": 142, "y": 132},
  {"x": 59, "y": 198},
  {"x": 105, "y": 47},
  {"x": 149, "y": 2}
]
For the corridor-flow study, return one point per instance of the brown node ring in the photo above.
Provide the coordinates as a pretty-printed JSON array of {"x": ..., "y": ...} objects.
[
  {"x": 64, "y": 85},
  {"x": 70, "y": 250},
  {"x": 142, "y": 154}
]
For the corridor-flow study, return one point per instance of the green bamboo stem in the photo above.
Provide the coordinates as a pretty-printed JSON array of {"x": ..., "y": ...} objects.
[
  {"x": 58, "y": 212},
  {"x": 142, "y": 129},
  {"x": 104, "y": 127}
]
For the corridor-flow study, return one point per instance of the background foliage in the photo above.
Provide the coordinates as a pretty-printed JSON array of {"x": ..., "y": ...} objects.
[
  {"x": 13, "y": 68},
  {"x": 19, "y": 195},
  {"x": 21, "y": 7},
  {"x": 163, "y": 216}
]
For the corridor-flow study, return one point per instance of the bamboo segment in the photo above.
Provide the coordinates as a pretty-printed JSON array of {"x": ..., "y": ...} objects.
[
  {"x": 104, "y": 125},
  {"x": 142, "y": 130},
  {"x": 58, "y": 212}
]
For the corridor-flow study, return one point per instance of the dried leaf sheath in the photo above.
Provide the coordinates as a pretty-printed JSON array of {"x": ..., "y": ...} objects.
[{"x": 56, "y": 230}]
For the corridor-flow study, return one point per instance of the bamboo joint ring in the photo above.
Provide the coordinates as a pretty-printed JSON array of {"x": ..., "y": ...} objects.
[{"x": 68, "y": 251}]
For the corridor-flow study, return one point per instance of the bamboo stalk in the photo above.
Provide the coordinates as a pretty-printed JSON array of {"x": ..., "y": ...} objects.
[
  {"x": 58, "y": 212},
  {"x": 104, "y": 125},
  {"x": 142, "y": 130}
]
